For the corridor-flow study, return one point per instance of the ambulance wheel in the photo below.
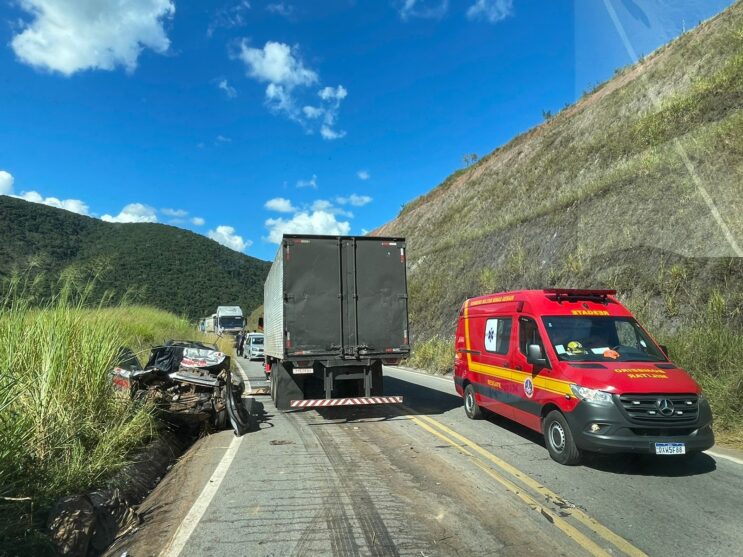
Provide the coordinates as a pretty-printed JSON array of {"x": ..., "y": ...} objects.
[
  {"x": 473, "y": 411},
  {"x": 559, "y": 439}
]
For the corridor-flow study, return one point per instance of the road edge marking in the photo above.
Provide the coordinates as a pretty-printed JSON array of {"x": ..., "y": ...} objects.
[
  {"x": 726, "y": 457},
  {"x": 598, "y": 528},
  {"x": 192, "y": 519}
]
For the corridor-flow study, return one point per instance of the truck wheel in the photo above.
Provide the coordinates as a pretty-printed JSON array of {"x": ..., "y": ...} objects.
[
  {"x": 471, "y": 408},
  {"x": 559, "y": 439}
]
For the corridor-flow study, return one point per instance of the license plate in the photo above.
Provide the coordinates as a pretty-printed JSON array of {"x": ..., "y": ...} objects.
[
  {"x": 670, "y": 448},
  {"x": 300, "y": 370}
]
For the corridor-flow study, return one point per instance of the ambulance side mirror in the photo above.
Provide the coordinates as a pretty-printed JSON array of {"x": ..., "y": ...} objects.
[{"x": 535, "y": 357}]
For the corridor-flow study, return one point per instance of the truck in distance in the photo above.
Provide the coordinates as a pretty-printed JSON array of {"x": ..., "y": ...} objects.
[
  {"x": 229, "y": 320},
  {"x": 335, "y": 311}
]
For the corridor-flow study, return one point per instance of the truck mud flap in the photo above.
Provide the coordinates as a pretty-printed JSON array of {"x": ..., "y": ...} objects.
[
  {"x": 285, "y": 387},
  {"x": 354, "y": 401}
]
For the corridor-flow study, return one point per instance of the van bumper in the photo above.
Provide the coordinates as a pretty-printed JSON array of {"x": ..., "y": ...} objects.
[{"x": 619, "y": 434}]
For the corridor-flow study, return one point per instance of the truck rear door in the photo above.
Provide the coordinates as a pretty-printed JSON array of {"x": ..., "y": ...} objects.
[
  {"x": 312, "y": 302},
  {"x": 381, "y": 302}
]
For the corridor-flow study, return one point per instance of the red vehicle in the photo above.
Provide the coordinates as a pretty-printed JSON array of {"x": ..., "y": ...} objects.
[{"x": 576, "y": 366}]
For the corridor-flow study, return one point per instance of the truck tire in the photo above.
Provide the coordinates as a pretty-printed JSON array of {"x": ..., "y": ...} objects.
[
  {"x": 559, "y": 439},
  {"x": 471, "y": 408}
]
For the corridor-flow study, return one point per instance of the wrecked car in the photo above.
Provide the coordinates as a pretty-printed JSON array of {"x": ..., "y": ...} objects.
[{"x": 189, "y": 383}]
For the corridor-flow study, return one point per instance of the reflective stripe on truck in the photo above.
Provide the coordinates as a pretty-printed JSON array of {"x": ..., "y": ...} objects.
[{"x": 356, "y": 401}]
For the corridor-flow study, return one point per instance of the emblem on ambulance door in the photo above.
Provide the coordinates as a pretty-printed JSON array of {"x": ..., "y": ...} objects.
[{"x": 529, "y": 387}]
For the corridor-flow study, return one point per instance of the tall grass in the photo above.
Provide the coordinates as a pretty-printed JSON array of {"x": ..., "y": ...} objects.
[
  {"x": 711, "y": 349},
  {"x": 62, "y": 429}
]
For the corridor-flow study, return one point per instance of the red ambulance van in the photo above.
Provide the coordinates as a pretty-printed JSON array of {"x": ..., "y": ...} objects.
[{"x": 576, "y": 366}]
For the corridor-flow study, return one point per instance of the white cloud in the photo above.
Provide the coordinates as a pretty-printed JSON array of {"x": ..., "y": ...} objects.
[
  {"x": 355, "y": 200},
  {"x": 328, "y": 207},
  {"x": 73, "y": 205},
  {"x": 311, "y": 183},
  {"x": 281, "y": 8},
  {"x": 229, "y": 17},
  {"x": 329, "y": 93},
  {"x": 198, "y": 221},
  {"x": 68, "y": 36},
  {"x": 305, "y": 222},
  {"x": 280, "y": 66},
  {"x": 133, "y": 212},
  {"x": 6, "y": 182},
  {"x": 313, "y": 112},
  {"x": 426, "y": 9},
  {"x": 175, "y": 213},
  {"x": 280, "y": 204},
  {"x": 221, "y": 139},
  {"x": 329, "y": 133},
  {"x": 363, "y": 175},
  {"x": 492, "y": 11},
  {"x": 226, "y": 236},
  {"x": 228, "y": 89},
  {"x": 276, "y": 63}
]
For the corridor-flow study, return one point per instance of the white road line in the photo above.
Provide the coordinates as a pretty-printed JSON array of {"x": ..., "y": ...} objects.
[
  {"x": 726, "y": 457},
  {"x": 199, "y": 507},
  {"x": 424, "y": 374}
]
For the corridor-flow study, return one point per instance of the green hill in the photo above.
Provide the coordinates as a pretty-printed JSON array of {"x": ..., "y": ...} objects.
[
  {"x": 153, "y": 264},
  {"x": 638, "y": 187}
]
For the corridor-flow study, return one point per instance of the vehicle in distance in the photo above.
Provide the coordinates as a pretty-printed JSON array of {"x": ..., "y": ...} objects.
[
  {"x": 578, "y": 367},
  {"x": 229, "y": 320},
  {"x": 335, "y": 311},
  {"x": 253, "y": 347}
]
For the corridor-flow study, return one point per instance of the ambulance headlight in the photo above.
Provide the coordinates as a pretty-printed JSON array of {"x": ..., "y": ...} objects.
[{"x": 591, "y": 395}]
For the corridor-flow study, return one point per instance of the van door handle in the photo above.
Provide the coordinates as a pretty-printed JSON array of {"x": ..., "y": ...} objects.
[{"x": 518, "y": 368}]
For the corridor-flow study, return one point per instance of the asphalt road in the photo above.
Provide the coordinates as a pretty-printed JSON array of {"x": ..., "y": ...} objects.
[{"x": 421, "y": 479}]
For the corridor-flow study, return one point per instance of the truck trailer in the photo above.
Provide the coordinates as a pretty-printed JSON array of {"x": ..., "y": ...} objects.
[{"x": 335, "y": 311}]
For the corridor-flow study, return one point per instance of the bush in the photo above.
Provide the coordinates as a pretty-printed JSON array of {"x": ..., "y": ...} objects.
[{"x": 435, "y": 355}]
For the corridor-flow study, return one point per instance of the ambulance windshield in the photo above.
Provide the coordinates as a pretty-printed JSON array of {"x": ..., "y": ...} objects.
[{"x": 600, "y": 339}]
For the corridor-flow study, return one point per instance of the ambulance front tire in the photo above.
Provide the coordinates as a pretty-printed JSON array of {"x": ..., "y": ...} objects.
[
  {"x": 471, "y": 408},
  {"x": 559, "y": 439}
]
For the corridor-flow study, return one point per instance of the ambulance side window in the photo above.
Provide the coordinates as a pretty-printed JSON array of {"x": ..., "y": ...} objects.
[
  {"x": 498, "y": 335},
  {"x": 528, "y": 334}
]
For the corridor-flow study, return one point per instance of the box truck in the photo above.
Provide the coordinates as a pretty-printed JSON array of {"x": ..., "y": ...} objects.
[{"x": 335, "y": 311}]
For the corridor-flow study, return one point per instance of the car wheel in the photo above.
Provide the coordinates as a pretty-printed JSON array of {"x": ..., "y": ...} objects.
[
  {"x": 559, "y": 439},
  {"x": 471, "y": 408}
]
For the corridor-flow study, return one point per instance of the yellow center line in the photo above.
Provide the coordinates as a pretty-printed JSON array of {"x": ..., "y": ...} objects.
[
  {"x": 598, "y": 528},
  {"x": 573, "y": 533}
]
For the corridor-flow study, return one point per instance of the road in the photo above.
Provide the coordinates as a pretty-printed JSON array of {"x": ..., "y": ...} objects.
[{"x": 420, "y": 479}]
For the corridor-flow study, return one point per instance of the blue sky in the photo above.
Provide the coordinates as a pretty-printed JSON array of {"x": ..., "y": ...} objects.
[{"x": 241, "y": 120}]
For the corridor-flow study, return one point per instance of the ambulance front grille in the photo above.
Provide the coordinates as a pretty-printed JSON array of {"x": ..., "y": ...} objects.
[{"x": 654, "y": 409}]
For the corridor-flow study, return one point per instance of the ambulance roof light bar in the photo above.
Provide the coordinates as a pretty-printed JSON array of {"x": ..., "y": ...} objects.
[{"x": 573, "y": 294}]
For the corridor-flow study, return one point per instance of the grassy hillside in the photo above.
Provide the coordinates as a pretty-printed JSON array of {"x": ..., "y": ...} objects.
[
  {"x": 154, "y": 264},
  {"x": 614, "y": 191}
]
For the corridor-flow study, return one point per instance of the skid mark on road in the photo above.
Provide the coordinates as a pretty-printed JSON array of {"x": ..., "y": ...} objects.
[
  {"x": 460, "y": 442},
  {"x": 332, "y": 513},
  {"x": 346, "y": 483}
]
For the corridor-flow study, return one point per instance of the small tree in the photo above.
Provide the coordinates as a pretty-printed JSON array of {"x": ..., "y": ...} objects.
[{"x": 470, "y": 159}]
